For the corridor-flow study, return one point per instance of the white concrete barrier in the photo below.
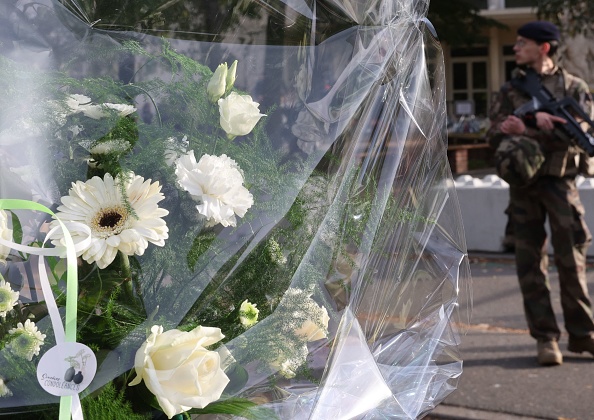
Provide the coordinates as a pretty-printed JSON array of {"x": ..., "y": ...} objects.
[{"x": 483, "y": 203}]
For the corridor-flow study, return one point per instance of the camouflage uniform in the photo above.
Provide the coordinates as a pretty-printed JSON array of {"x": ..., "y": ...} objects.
[{"x": 554, "y": 195}]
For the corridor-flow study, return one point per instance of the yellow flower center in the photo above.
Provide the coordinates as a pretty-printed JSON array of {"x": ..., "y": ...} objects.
[{"x": 110, "y": 220}]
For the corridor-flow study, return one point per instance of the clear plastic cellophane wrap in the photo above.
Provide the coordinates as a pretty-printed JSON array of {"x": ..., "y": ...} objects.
[{"x": 226, "y": 209}]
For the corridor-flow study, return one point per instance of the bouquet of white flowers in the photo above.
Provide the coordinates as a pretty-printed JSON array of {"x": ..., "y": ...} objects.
[{"x": 240, "y": 210}]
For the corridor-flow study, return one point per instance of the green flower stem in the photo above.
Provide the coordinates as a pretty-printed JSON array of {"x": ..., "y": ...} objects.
[
  {"x": 125, "y": 265},
  {"x": 131, "y": 285},
  {"x": 127, "y": 276}
]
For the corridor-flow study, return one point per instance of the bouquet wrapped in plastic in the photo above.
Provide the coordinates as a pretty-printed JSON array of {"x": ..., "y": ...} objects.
[{"x": 238, "y": 209}]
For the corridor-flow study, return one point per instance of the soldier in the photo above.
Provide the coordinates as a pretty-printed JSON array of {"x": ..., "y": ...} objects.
[{"x": 541, "y": 171}]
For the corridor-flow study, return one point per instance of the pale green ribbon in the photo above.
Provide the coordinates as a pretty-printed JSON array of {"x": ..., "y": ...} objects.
[{"x": 68, "y": 404}]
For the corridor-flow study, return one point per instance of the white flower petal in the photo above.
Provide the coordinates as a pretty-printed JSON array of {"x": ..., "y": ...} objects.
[
  {"x": 98, "y": 203},
  {"x": 217, "y": 183},
  {"x": 177, "y": 368},
  {"x": 239, "y": 114}
]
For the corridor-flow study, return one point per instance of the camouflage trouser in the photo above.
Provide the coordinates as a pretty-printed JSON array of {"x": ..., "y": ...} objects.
[{"x": 558, "y": 199}]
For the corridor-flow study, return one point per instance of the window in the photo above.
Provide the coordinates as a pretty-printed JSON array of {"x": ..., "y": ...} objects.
[
  {"x": 469, "y": 78},
  {"x": 509, "y": 62}
]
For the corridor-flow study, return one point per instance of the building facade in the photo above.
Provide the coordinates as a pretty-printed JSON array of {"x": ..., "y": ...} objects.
[{"x": 474, "y": 74}]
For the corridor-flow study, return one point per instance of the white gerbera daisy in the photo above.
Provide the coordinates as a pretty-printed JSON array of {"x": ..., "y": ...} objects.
[
  {"x": 123, "y": 109},
  {"x": 115, "y": 226},
  {"x": 97, "y": 112},
  {"x": 26, "y": 340},
  {"x": 110, "y": 146},
  {"x": 217, "y": 183},
  {"x": 6, "y": 234},
  {"x": 76, "y": 102},
  {"x": 8, "y": 298}
]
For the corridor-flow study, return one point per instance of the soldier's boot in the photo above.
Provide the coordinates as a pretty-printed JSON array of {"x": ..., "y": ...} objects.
[
  {"x": 580, "y": 345},
  {"x": 549, "y": 353}
]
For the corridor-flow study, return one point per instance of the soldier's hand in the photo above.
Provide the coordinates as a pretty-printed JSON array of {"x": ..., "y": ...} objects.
[
  {"x": 546, "y": 121},
  {"x": 513, "y": 125}
]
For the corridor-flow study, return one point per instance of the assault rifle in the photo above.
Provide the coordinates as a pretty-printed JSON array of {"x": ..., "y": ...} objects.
[{"x": 567, "y": 108}]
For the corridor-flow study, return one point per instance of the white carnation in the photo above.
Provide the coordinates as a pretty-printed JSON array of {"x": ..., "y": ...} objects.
[{"x": 217, "y": 183}]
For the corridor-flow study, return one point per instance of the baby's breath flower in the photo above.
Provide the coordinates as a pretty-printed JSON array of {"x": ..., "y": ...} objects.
[
  {"x": 276, "y": 253},
  {"x": 4, "y": 390},
  {"x": 26, "y": 340},
  {"x": 248, "y": 314},
  {"x": 8, "y": 298},
  {"x": 288, "y": 366}
]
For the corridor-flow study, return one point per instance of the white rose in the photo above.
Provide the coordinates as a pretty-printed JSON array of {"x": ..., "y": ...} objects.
[
  {"x": 218, "y": 83},
  {"x": 178, "y": 369},
  {"x": 316, "y": 327},
  {"x": 6, "y": 234},
  {"x": 239, "y": 114}
]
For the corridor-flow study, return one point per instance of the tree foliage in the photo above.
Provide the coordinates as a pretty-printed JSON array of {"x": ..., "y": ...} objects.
[
  {"x": 458, "y": 22},
  {"x": 573, "y": 16}
]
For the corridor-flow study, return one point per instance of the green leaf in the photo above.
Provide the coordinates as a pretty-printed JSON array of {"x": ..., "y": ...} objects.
[
  {"x": 239, "y": 407},
  {"x": 17, "y": 229},
  {"x": 201, "y": 245}
]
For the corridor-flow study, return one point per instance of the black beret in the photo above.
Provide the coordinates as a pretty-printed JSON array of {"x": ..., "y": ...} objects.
[{"x": 540, "y": 31}]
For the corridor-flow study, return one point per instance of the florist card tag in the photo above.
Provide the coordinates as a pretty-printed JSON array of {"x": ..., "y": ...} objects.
[{"x": 66, "y": 369}]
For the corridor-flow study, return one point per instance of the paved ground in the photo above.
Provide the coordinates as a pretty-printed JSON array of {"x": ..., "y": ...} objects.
[{"x": 501, "y": 378}]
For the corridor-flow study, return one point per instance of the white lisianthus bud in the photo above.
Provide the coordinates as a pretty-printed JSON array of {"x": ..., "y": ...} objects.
[
  {"x": 231, "y": 76},
  {"x": 248, "y": 314},
  {"x": 239, "y": 114},
  {"x": 217, "y": 85}
]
